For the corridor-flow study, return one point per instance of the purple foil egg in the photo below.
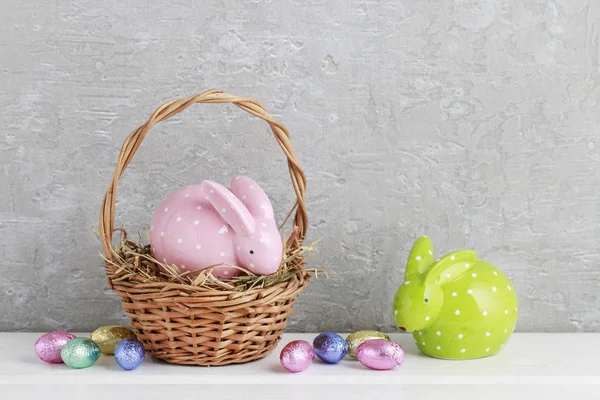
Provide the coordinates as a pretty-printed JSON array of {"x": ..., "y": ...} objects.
[
  {"x": 330, "y": 347},
  {"x": 297, "y": 355},
  {"x": 130, "y": 353},
  {"x": 380, "y": 354},
  {"x": 48, "y": 346}
]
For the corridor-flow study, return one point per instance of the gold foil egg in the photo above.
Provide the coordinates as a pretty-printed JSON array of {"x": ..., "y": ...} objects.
[
  {"x": 357, "y": 338},
  {"x": 109, "y": 336}
]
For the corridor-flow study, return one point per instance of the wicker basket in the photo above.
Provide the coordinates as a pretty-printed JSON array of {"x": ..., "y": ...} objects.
[{"x": 184, "y": 324}]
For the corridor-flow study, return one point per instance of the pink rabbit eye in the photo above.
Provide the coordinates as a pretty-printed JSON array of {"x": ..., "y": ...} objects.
[{"x": 251, "y": 251}]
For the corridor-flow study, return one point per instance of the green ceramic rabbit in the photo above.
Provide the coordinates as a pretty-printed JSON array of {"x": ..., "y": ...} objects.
[{"x": 457, "y": 307}]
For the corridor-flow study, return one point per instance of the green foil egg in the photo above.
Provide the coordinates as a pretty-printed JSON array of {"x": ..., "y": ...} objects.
[
  {"x": 80, "y": 353},
  {"x": 109, "y": 336},
  {"x": 357, "y": 338}
]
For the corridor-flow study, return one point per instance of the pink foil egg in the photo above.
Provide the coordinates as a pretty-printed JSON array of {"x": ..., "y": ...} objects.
[
  {"x": 380, "y": 354},
  {"x": 297, "y": 355},
  {"x": 48, "y": 346}
]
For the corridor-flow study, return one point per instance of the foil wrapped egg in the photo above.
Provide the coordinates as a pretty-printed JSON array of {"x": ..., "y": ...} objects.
[
  {"x": 48, "y": 346},
  {"x": 80, "y": 353},
  {"x": 108, "y": 336},
  {"x": 380, "y": 354},
  {"x": 330, "y": 347},
  {"x": 296, "y": 356},
  {"x": 129, "y": 354},
  {"x": 357, "y": 338}
]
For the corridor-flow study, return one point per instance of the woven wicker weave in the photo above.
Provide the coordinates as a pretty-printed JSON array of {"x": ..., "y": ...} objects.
[{"x": 184, "y": 324}]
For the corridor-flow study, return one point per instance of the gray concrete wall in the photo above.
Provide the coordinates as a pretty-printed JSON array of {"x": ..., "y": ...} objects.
[{"x": 476, "y": 122}]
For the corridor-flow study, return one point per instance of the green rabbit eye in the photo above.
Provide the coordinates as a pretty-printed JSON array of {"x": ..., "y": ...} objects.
[{"x": 426, "y": 300}]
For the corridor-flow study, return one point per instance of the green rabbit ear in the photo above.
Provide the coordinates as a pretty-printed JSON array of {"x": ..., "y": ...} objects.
[
  {"x": 450, "y": 267},
  {"x": 420, "y": 258}
]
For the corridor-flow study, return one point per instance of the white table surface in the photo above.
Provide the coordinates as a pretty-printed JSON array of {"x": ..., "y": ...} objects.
[{"x": 555, "y": 365}]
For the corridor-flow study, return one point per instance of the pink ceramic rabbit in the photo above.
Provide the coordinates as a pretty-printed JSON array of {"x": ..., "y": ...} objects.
[{"x": 206, "y": 225}]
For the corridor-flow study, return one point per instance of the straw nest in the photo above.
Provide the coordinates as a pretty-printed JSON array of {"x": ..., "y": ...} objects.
[{"x": 135, "y": 263}]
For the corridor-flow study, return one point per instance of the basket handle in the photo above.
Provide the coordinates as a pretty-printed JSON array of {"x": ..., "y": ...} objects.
[{"x": 174, "y": 107}]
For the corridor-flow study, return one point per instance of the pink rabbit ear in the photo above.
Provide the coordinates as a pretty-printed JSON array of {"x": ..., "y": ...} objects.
[
  {"x": 253, "y": 197},
  {"x": 229, "y": 207}
]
